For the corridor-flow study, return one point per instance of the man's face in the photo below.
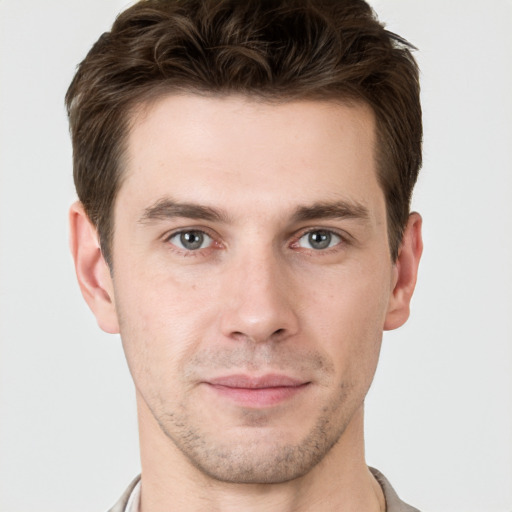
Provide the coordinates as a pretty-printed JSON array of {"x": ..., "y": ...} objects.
[{"x": 252, "y": 278}]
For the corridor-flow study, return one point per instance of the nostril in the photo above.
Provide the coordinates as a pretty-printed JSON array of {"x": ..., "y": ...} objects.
[{"x": 241, "y": 336}]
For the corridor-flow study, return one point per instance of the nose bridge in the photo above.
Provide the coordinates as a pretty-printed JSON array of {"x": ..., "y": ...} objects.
[{"x": 259, "y": 304}]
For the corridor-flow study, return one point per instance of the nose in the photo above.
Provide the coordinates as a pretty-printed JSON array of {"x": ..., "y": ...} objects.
[{"x": 259, "y": 301}]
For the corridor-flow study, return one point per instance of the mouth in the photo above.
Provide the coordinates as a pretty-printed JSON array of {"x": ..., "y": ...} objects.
[{"x": 257, "y": 392}]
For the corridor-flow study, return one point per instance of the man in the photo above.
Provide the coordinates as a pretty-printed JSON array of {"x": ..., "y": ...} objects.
[{"x": 244, "y": 173}]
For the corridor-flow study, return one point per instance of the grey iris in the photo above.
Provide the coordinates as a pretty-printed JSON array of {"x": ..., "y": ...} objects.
[
  {"x": 319, "y": 239},
  {"x": 192, "y": 240}
]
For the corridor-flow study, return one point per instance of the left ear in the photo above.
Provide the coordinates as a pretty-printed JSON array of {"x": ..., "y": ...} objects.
[{"x": 405, "y": 274}]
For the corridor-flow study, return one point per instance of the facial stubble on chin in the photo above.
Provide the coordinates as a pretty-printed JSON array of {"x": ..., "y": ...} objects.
[{"x": 264, "y": 457}]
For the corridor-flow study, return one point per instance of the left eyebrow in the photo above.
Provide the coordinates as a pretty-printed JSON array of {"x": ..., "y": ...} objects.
[
  {"x": 166, "y": 208},
  {"x": 334, "y": 210}
]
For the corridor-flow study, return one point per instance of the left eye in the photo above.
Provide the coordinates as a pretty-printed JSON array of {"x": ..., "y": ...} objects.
[
  {"x": 319, "y": 239},
  {"x": 191, "y": 240}
]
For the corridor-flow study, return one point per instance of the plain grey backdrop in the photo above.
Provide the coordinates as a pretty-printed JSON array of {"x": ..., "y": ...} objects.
[{"x": 439, "y": 415}]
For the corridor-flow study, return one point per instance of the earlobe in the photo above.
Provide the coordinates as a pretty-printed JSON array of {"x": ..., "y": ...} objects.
[
  {"x": 406, "y": 272},
  {"x": 91, "y": 269}
]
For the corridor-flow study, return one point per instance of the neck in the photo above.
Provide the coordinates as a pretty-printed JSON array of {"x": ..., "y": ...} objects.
[{"x": 341, "y": 481}]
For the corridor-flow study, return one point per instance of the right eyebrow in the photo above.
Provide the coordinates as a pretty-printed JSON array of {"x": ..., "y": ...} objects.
[{"x": 166, "y": 208}]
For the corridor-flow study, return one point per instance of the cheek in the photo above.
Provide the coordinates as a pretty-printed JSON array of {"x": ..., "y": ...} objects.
[
  {"x": 348, "y": 318},
  {"x": 161, "y": 322}
]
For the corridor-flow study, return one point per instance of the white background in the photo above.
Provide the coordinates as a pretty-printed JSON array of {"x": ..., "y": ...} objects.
[{"x": 439, "y": 416}]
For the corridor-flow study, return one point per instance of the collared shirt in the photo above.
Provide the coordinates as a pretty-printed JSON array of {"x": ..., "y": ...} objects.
[{"x": 130, "y": 500}]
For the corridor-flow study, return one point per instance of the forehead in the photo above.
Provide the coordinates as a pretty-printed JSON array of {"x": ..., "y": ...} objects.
[{"x": 232, "y": 149}]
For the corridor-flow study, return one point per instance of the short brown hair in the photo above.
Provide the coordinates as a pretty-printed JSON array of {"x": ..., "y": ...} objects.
[{"x": 276, "y": 50}]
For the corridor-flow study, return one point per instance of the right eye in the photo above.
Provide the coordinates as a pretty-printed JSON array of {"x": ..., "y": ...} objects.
[{"x": 191, "y": 240}]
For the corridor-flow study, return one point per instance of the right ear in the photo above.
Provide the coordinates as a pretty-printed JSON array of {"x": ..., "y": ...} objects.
[{"x": 92, "y": 271}]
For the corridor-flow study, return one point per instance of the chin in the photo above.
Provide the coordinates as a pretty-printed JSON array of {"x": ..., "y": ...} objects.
[{"x": 256, "y": 454}]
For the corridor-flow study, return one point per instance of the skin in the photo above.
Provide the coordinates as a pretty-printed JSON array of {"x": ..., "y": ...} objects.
[{"x": 250, "y": 245}]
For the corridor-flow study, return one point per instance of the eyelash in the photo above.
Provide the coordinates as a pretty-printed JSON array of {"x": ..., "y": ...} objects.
[{"x": 215, "y": 245}]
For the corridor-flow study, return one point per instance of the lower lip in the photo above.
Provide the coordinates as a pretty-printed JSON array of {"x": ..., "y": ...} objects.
[{"x": 258, "y": 397}]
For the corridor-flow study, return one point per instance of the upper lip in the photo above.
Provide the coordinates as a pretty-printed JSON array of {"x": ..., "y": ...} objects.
[{"x": 254, "y": 382}]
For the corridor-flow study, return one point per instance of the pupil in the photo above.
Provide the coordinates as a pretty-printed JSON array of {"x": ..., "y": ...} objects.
[
  {"x": 192, "y": 239},
  {"x": 319, "y": 239}
]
